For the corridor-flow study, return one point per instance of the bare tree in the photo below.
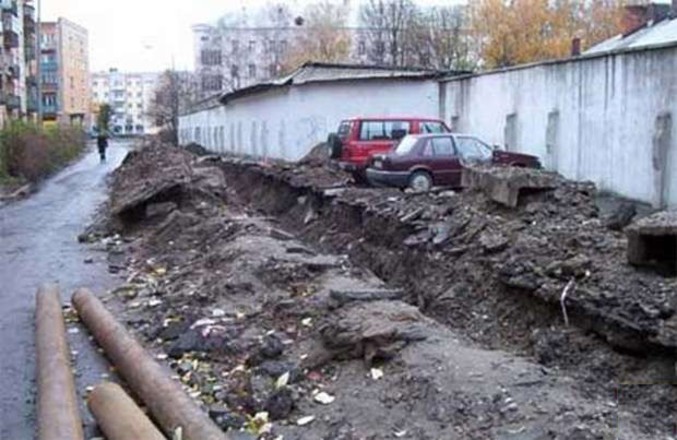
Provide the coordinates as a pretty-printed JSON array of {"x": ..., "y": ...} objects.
[
  {"x": 277, "y": 20},
  {"x": 439, "y": 39},
  {"x": 388, "y": 24},
  {"x": 175, "y": 93}
]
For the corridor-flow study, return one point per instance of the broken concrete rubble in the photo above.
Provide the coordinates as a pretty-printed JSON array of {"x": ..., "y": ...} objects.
[
  {"x": 301, "y": 318},
  {"x": 652, "y": 241},
  {"x": 505, "y": 184}
]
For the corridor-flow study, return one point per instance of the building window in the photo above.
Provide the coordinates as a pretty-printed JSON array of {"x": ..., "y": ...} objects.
[
  {"x": 49, "y": 78},
  {"x": 283, "y": 46},
  {"x": 49, "y": 100},
  {"x": 252, "y": 45},
  {"x": 211, "y": 57},
  {"x": 252, "y": 71},
  {"x": 380, "y": 47},
  {"x": 212, "y": 83},
  {"x": 235, "y": 71},
  {"x": 236, "y": 45},
  {"x": 362, "y": 47},
  {"x": 272, "y": 70}
]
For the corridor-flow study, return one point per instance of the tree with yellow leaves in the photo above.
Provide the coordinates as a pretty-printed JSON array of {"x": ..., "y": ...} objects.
[
  {"x": 325, "y": 37},
  {"x": 510, "y": 32}
]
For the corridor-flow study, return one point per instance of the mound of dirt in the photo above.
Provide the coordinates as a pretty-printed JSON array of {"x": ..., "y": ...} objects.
[
  {"x": 319, "y": 155},
  {"x": 158, "y": 175}
]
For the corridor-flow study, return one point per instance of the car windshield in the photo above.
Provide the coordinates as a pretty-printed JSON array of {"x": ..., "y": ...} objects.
[
  {"x": 433, "y": 127},
  {"x": 471, "y": 148},
  {"x": 406, "y": 145}
]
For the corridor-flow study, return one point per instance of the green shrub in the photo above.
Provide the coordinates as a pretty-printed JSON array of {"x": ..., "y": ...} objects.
[{"x": 29, "y": 152}]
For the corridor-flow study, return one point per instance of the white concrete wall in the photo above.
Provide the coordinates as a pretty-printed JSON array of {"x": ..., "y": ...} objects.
[
  {"x": 287, "y": 123},
  {"x": 589, "y": 119},
  {"x": 607, "y": 107}
]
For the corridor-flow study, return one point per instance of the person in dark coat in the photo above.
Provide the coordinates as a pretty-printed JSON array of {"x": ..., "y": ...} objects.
[{"x": 102, "y": 143}]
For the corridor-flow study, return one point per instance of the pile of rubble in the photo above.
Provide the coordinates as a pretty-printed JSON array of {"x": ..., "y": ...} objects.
[
  {"x": 351, "y": 318},
  {"x": 485, "y": 243}
]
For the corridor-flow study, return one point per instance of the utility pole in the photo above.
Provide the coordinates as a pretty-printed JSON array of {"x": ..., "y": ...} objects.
[{"x": 38, "y": 56}]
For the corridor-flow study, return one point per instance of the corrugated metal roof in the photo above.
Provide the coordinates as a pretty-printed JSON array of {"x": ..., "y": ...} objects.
[
  {"x": 322, "y": 72},
  {"x": 662, "y": 32}
]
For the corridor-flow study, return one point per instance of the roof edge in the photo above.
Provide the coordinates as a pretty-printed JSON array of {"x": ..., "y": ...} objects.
[{"x": 582, "y": 57}]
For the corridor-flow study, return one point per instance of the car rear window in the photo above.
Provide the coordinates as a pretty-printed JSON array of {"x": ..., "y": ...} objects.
[
  {"x": 432, "y": 127},
  {"x": 406, "y": 145},
  {"x": 344, "y": 130},
  {"x": 383, "y": 130}
]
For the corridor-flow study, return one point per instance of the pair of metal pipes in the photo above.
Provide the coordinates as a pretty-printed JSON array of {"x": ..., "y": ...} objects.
[{"x": 117, "y": 414}]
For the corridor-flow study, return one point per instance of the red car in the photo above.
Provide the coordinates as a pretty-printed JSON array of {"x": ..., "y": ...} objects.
[
  {"x": 358, "y": 139},
  {"x": 423, "y": 161}
]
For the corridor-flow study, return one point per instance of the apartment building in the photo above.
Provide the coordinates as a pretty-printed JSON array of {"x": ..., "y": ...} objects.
[
  {"x": 230, "y": 58},
  {"x": 64, "y": 63},
  {"x": 130, "y": 95},
  {"x": 18, "y": 86}
]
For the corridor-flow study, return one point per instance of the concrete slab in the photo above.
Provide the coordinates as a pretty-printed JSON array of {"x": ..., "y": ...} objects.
[
  {"x": 504, "y": 184},
  {"x": 652, "y": 241}
]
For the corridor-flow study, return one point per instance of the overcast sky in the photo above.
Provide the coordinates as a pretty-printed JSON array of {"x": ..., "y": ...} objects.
[{"x": 146, "y": 35}]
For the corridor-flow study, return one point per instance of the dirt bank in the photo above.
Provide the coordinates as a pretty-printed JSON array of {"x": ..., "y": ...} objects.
[{"x": 347, "y": 313}]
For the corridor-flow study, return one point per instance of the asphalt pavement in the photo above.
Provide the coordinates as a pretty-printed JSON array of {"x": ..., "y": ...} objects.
[{"x": 38, "y": 244}]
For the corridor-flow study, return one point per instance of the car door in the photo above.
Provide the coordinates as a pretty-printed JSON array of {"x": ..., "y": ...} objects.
[{"x": 446, "y": 165}]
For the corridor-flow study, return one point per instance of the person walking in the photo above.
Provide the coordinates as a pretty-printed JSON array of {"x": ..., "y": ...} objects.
[{"x": 102, "y": 143}]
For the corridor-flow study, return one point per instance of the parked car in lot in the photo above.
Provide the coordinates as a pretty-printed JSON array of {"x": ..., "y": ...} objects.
[
  {"x": 358, "y": 139},
  {"x": 423, "y": 161}
]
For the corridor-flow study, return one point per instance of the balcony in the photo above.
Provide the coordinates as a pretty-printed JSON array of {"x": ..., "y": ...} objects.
[
  {"x": 10, "y": 7},
  {"x": 29, "y": 53},
  {"x": 49, "y": 66},
  {"x": 32, "y": 103},
  {"x": 29, "y": 12},
  {"x": 29, "y": 25},
  {"x": 14, "y": 71},
  {"x": 13, "y": 101},
  {"x": 11, "y": 39},
  {"x": 49, "y": 110},
  {"x": 50, "y": 87}
]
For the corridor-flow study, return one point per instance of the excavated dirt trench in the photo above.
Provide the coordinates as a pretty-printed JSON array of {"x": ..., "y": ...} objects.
[
  {"x": 379, "y": 242},
  {"x": 611, "y": 356},
  {"x": 280, "y": 289}
]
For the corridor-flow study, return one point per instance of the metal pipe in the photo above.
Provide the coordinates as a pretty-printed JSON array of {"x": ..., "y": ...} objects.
[
  {"x": 168, "y": 404},
  {"x": 58, "y": 416},
  {"x": 118, "y": 415}
]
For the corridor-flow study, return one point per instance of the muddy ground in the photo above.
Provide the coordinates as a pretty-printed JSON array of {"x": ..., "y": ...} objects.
[{"x": 293, "y": 304}]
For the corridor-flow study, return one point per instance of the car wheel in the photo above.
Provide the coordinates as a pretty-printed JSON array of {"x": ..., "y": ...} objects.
[{"x": 421, "y": 181}]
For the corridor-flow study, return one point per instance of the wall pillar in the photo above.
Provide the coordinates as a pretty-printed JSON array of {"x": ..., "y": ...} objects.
[
  {"x": 552, "y": 140},
  {"x": 662, "y": 138}
]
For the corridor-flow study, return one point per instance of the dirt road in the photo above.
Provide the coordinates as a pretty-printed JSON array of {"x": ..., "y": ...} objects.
[{"x": 38, "y": 239}]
